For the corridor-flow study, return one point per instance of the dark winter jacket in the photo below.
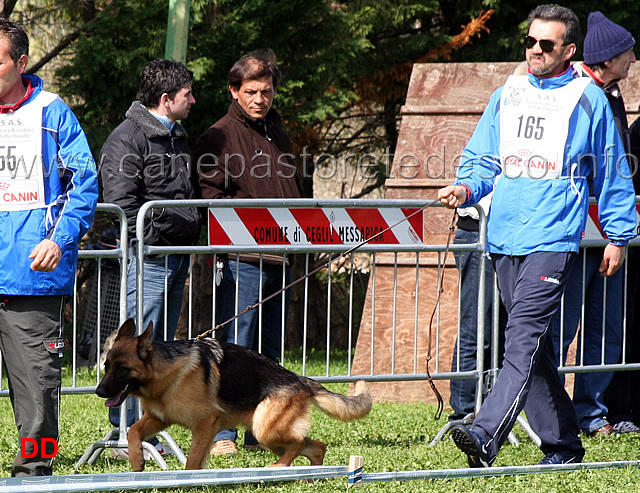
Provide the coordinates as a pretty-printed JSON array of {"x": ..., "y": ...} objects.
[
  {"x": 614, "y": 96},
  {"x": 141, "y": 161},
  {"x": 239, "y": 157}
]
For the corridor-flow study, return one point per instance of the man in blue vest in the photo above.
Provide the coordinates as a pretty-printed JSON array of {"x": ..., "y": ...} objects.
[
  {"x": 539, "y": 139},
  {"x": 48, "y": 195}
]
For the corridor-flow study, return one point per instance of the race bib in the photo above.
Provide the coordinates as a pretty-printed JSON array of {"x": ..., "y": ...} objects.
[
  {"x": 534, "y": 125},
  {"x": 21, "y": 160}
]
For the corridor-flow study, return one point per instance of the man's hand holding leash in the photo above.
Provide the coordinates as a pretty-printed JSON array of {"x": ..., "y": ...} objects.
[{"x": 452, "y": 196}]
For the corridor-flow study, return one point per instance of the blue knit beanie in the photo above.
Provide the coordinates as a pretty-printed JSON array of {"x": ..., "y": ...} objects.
[{"x": 604, "y": 40}]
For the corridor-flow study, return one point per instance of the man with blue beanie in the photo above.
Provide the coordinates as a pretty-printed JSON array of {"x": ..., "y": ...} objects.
[{"x": 608, "y": 54}]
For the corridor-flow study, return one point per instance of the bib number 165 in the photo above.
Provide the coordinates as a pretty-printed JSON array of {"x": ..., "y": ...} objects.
[{"x": 531, "y": 127}]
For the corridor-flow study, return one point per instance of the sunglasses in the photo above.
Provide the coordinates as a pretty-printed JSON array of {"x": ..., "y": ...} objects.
[{"x": 546, "y": 45}]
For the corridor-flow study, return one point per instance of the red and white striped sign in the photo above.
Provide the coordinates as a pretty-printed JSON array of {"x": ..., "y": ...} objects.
[
  {"x": 593, "y": 229},
  {"x": 314, "y": 226}
]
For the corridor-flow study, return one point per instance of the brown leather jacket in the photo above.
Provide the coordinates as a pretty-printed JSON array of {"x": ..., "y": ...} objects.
[{"x": 239, "y": 157}]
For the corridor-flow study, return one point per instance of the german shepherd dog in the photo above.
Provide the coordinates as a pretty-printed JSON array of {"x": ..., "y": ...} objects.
[{"x": 206, "y": 386}]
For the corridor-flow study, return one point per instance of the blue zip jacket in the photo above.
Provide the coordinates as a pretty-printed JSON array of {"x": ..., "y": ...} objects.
[
  {"x": 531, "y": 215},
  {"x": 71, "y": 194}
]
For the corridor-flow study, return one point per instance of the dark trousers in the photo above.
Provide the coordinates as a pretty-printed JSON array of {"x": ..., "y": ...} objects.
[
  {"x": 260, "y": 329},
  {"x": 622, "y": 397},
  {"x": 31, "y": 340},
  {"x": 531, "y": 288},
  {"x": 589, "y": 388}
]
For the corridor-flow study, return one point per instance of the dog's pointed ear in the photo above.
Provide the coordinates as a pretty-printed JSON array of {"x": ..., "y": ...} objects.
[
  {"x": 145, "y": 342},
  {"x": 128, "y": 329}
]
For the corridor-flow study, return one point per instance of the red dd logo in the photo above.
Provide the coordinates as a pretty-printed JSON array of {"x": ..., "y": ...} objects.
[{"x": 29, "y": 448}]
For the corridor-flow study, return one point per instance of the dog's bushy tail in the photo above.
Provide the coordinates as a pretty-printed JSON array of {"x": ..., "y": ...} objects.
[{"x": 342, "y": 407}]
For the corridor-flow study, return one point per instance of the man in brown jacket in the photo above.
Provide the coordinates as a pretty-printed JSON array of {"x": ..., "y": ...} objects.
[{"x": 246, "y": 154}]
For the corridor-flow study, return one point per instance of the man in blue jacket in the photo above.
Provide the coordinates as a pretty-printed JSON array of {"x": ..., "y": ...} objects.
[
  {"x": 539, "y": 139},
  {"x": 48, "y": 195}
]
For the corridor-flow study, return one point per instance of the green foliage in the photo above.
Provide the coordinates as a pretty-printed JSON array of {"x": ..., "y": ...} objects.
[
  {"x": 324, "y": 49},
  {"x": 301, "y": 33},
  {"x": 102, "y": 77},
  {"x": 509, "y": 25},
  {"x": 321, "y": 47}
]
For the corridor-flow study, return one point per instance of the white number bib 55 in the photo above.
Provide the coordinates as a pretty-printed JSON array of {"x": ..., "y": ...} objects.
[{"x": 21, "y": 160}]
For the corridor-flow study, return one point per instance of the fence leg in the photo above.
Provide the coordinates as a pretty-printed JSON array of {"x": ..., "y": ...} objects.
[
  {"x": 355, "y": 470},
  {"x": 175, "y": 448},
  {"x": 95, "y": 449},
  {"x": 527, "y": 428},
  {"x": 467, "y": 420}
]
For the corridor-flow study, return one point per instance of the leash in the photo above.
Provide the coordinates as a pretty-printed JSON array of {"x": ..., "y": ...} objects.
[
  {"x": 440, "y": 407},
  {"x": 432, "y": 383}
]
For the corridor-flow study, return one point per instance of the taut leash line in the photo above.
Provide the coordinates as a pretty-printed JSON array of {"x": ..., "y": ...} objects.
[
  {"x": 314, "y": 271},
  {"x": 348, "y": 252}
]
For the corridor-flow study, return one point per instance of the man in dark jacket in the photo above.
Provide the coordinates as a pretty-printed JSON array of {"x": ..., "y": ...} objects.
[
  {"x": 608, "y": 54},
  {"x": 145, "y": 158},
  {"x": 247, "y": 155}
]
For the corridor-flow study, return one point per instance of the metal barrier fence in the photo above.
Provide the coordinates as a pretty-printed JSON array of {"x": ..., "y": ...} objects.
[
  {"x": 569, "y": 364},
  {"x": 409, "y": 255},
  {"x": 117, "y": 253},
  {"x": 233, "y": 476},
  {"x": 411, "y": 249}
]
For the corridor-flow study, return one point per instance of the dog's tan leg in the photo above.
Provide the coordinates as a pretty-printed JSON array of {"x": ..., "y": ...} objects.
[
  {"x": 201, "y": 440},
  {"x": 148, "y": 426},
  {"x": 314, "y": 450},
  {"x": 291, "y": 451}
]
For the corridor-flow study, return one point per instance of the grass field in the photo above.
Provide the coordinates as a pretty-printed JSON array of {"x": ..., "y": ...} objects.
[{"x": 394, "y": 437}]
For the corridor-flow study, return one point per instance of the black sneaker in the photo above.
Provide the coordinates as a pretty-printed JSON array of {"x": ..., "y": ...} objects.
[
  {"x": 562, "y": 457},
  {"x": 472, "y": 445}
]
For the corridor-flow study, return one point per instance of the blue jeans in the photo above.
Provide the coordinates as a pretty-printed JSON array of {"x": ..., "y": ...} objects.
[
  {"x": 177, "y": 270},
  {"x": 260, "y": 329},
  {"x": 622, "y": 397},
  {"x": 463, "y": 392},
  {"x": 589, "y": 388}
]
